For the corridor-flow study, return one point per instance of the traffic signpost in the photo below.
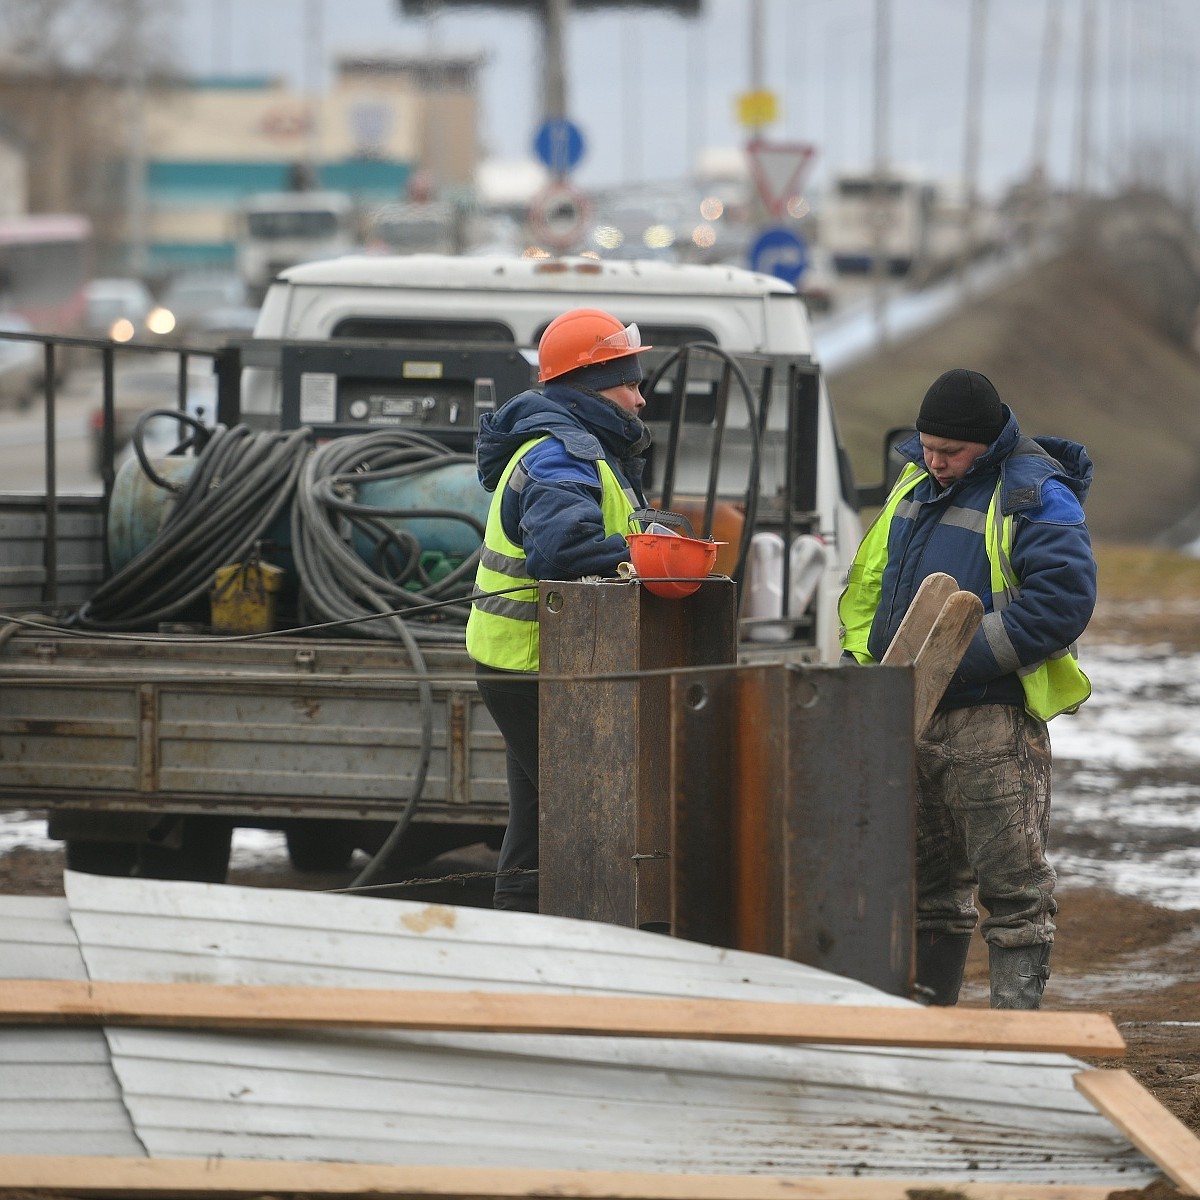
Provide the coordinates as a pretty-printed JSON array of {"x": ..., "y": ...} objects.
[
  {"x": 559, "y": 144},
  {"x": 779, "y": 170},
  {"x": 780, "y": 252},
  {"x": 558, "y": 215},
  {"x": 757, "y": 108}
]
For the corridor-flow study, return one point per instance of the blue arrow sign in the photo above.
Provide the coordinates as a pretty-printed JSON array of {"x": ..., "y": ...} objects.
[
  {"x": 559, "y": 144},
  {"x": 781, "y": 253}
]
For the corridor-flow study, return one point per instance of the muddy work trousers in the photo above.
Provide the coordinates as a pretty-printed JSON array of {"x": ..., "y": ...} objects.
[
  {"x": 512, "y": 700},
  {"x": 983, "y": 815}
]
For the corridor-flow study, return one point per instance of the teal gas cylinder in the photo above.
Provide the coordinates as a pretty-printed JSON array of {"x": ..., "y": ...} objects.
[
  {"x": 139, "y": 508},
  {"x": 453, "y": 487}
]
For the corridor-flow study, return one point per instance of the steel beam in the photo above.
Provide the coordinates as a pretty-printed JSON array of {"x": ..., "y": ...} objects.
[{"x": 605, "y": 740}]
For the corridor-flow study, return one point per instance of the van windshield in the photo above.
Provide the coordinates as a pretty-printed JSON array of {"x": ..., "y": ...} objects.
[{"x": 401, "y": 329}]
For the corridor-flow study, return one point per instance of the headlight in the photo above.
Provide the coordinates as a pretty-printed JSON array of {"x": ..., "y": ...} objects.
[
  {"x": 121, "y": 330},
  {"x": 160, "y": 321}
]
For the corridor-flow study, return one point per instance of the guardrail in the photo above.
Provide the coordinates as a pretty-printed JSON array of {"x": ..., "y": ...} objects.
[{"x": 55, "y": 348}]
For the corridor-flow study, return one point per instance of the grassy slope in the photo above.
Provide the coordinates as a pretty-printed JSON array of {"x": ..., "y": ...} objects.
[{"x": 1072, "y": 360}]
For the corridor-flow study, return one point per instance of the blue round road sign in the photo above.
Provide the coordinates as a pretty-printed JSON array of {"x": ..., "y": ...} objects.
[
  {"x": 781, "y": 253},
  {"x": 559, "y": 144}
]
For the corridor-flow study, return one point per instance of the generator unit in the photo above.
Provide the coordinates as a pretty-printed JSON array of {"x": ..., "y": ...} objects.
[{"x": 337, "y": 388}]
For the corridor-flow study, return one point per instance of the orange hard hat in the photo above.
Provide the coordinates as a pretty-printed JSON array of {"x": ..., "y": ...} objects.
[
  {"x": 584, "y": 337},
  {"x": 669, "y": 565}
]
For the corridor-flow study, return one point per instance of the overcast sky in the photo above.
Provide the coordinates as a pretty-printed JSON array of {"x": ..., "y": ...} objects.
[{"x": 651, "y": 89}]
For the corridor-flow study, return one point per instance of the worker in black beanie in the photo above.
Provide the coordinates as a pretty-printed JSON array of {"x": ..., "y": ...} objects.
[
  {"x": 962, "y": 405},
  {"x": 1002, "y": 514}
]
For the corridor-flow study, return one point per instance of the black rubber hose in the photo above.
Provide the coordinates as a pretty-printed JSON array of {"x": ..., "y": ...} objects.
[
  {"x": 336, "y": 584},
  {"x": 757, "y": 414},
  {"x": 198, "y": 440},
  {"x": 241, "y": 483}
]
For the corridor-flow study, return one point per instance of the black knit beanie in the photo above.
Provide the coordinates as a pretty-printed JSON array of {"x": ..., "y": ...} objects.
[
  {"x": 963, "y": 405},
  {"x": 598, "y": 376}
]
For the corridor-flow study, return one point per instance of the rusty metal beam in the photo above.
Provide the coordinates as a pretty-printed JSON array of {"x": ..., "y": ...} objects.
[
  {"x": 605, "y": 740},
  {"x": 793, "y": 797}
]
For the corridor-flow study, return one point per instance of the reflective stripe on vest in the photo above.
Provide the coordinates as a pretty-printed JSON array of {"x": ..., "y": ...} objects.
[
  {"x": 1053, "y": 686},
  {"x": 864, "y": 583},
  {"x": 502, "y": 630},
  {"x": 1056, "y": 684}
]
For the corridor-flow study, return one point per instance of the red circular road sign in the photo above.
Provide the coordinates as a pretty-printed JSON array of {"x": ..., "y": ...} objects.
[{"x": 557, "y": 215}]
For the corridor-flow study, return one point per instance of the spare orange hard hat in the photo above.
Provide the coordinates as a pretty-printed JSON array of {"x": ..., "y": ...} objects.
[
  {"x": 584, "y": 337},
  {"x": 669, "y": 565}
]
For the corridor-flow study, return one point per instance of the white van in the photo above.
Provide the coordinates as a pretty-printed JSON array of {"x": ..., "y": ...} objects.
[{"x": 749, "y": 364}]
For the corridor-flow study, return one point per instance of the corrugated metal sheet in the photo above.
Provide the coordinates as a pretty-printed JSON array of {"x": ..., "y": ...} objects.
[
  {"x": 600, "y": 1103},
  {"x": 58, "y": 1092}
]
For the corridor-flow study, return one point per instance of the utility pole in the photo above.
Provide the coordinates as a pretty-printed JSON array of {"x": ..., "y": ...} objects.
[
  {"x": 1087, "y": 72},
  {"x": 631, "y": 109},
  {"x": 1038, "y": 171},
  {"x": 554, "y": 39},
  {"x": 135, "y": 179},
  {"x": 879, "y": 215},
  {"x": 972, "y": 138},
  {"x": 312, "y": 86},
  {"x": 757, "y": 69}
]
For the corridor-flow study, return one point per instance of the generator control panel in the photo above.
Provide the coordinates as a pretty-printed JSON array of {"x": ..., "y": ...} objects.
[{"x": 340, "y": 388}]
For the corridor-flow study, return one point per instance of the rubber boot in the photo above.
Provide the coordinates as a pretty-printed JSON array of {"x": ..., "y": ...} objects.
[
  {"x": 941, "y": 958},
  {"x": 1018, "y": 974}
]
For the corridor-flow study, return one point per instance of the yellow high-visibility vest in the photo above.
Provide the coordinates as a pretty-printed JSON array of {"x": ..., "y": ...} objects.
[
  {"x": 1053, "y": 686},
  {"x": 502, "y": 630}
]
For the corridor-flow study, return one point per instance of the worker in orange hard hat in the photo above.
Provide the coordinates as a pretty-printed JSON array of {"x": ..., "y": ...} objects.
[{"x": 565, "y": 467}]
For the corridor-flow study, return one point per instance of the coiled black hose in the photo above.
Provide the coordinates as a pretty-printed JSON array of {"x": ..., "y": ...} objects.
[
  {"x": 335, "y": 580},
  {"x": 242, "y": 481},
  {"x": 336, "y": 584}
]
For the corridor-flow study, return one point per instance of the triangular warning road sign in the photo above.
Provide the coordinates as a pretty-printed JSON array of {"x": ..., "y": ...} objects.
[{"x": 779, "y": 170}]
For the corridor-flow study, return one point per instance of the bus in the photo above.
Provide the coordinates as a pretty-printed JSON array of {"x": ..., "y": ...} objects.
[
  {"x": 277, "y": 230},
  {"x": 859, "y": 203},
  {"x": 924, "y": 223},
  {"x": 45, "y": 263}
]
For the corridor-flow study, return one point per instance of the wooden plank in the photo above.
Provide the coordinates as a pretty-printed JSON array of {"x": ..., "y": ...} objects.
[
  {"x": 198, "y": 1005},
  {"x": 213, "y": 1178},
  {"x": 927, "y": 604},
  {"x": 1154, "y": 1130},
  {"x": 944, "y": 647}
]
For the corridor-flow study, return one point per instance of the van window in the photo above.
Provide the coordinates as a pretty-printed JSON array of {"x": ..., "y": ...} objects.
[
  {"x": 401, "y": 329},
  {"x": 661, "y": 336}
]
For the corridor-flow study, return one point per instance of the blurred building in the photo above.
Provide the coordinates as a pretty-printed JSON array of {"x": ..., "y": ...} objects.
[{"x": 161, "y": 167}]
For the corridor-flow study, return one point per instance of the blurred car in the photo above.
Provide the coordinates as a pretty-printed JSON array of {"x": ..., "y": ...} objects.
[
  {"x": 120, "y": 309},
  {"x": 22, "y": 364},
  {"x": 208, "y": 305},
  {"x": 818, "y": 284}
]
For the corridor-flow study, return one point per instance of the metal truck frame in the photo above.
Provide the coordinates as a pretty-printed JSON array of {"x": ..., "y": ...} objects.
[{"x": 146, "y": 749}]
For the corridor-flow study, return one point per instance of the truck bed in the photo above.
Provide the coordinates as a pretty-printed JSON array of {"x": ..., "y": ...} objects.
[{"x": 284, "y": 727}]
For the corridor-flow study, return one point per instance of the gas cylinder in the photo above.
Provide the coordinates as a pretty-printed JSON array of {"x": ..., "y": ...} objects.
[
  {"x": 453, "y": 487},
  {"x": 729, "y": 520},
  {"x": 139, "y": 508}
]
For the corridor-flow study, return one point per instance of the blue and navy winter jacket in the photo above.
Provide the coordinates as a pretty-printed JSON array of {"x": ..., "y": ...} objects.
[
  {"x": 1043, "y": 483},
  {"x": 556, "y": 516}
]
